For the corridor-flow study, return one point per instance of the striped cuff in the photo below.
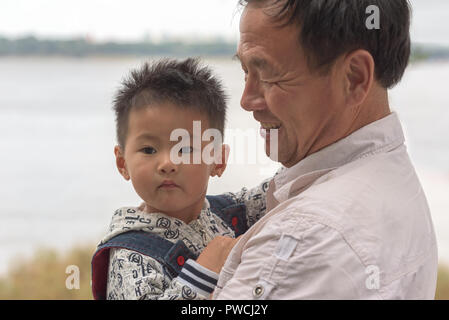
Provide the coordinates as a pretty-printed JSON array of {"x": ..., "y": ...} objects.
[{"x": 197, "y": 277}]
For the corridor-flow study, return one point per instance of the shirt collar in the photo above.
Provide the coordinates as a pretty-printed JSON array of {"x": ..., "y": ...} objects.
[{"x": 380, "y": 136}]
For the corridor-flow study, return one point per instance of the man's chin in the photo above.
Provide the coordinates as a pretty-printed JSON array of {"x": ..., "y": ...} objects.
[
  {"x": 272, "y": 155},
  {"x": 272, "y": 148},
  {"x": 275, "y": 154}
]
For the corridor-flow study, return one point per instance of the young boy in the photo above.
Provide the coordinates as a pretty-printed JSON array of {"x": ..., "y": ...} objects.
[{"x": 150, "y": 250}]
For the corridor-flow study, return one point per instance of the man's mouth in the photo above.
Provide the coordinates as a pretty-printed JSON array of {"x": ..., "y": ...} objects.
[
  {"x": 270, "y": 126},
  {"x": 266, "y": 127}
]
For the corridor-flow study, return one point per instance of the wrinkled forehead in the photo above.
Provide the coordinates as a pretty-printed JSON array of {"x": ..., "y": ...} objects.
[
  {"x": 261, "y": 22},
  {"x": 255, "y": 17},
  {"x": 268, "y": 12},
  {"x": 263, "y": 39}
]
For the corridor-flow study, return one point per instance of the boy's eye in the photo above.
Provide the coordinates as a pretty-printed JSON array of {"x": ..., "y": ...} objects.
[
  {"x": 186, "y": 150},
  {"x": 148, "y": 150}
]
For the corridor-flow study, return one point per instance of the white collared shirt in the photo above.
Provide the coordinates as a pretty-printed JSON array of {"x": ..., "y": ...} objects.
[{"x": 350, "y": 221}]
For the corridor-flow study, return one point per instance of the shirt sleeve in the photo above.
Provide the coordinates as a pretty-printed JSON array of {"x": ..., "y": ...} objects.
[
  {"x": 295, "y": 258},
  {"x": 197, "y": 277},
  {"x": 133, "y": 276}
]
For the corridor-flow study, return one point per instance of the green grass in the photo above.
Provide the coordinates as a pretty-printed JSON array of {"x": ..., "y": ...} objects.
[{"x": 43, "y": 276}]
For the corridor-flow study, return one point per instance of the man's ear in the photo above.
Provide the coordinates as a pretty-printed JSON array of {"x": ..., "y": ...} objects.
[
  {"x": 221, "y": 161},
  {"x": 120, "y": 162},
  {"x": 359, "y": 76}
]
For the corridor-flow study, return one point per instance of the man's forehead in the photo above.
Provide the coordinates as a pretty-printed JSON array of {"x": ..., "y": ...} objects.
[
  {"x": 265, "y": 14},
  {"x": 253, "y": 34},
  {"x": 265, "y": 43},
  {"x": 258, "y": 26},
  {"x": 254, "y": 18},
  {"x": 264, "y": 54}
]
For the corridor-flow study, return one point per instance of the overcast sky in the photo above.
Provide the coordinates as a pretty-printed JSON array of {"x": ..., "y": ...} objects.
[{"x": 133, "y": 19}]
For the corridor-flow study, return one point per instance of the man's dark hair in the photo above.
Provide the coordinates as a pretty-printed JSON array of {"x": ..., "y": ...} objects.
[
  {"x": 330, "y": 28},
  {"x": 185, "y": 83}
]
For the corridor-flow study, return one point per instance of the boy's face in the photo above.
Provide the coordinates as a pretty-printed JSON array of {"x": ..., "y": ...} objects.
[{"x": 177, "y": 190}]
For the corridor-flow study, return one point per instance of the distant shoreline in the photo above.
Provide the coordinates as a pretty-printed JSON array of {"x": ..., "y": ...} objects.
[
  {"x": 31, "y": 46},
  {"x": 79, "y": 47},
  {"x": 112, "y": 57},
  {"x": 413, "y": 60}
]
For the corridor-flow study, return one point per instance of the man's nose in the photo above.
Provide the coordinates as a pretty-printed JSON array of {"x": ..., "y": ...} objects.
[{"x": 252, "y": 97}]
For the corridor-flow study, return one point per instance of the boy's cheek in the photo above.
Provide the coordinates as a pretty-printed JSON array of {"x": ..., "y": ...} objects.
[{"x": 145, "y": 191}]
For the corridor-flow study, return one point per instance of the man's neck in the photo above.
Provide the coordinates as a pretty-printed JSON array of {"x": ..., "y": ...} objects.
[{"x": 374, "y": 108}]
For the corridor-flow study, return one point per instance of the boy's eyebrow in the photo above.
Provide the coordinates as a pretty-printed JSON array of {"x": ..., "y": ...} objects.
[{"x": 147, "y": 136}]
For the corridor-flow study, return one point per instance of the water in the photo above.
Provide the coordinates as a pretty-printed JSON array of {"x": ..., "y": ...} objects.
[{"x": 59, "y": 184}]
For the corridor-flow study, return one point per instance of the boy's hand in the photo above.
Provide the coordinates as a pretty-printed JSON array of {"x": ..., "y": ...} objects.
[{"x": 214, "y": 255}]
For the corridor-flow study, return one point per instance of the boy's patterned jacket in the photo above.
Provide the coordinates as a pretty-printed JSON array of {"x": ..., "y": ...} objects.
[{"x": 132, "y": 275}]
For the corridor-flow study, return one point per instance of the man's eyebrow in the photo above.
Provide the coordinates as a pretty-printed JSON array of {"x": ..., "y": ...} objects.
[{"x": 256, "y": 62}]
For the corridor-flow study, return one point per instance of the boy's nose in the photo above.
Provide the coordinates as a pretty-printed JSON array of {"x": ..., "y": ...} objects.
[{"x": 167, "y": 166}]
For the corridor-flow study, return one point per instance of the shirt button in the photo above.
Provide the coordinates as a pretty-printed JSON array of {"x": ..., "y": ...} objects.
[{"x": 258, "y": 291}]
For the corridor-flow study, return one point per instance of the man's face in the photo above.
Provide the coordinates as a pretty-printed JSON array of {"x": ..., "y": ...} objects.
[
  {"x": 175, "y": 189},
  {"x": 280, "y": 89}
]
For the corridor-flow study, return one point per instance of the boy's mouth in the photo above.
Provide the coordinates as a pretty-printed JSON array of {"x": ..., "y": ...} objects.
[{"x": 168, "y": 184}]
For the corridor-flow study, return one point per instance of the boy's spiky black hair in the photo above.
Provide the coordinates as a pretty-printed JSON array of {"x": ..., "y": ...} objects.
[{"x": 184, "y": 83}]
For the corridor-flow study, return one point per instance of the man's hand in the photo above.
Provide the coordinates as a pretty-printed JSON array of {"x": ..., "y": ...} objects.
[{"x": 214, "y": 255}]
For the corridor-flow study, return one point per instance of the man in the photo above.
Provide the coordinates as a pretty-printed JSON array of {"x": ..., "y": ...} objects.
[{"x": 347, "y": 217}]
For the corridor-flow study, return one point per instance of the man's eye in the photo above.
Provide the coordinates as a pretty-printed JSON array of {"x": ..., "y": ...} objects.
[
  {"x": 186, "y": 150},
  {"x": 149, "y": 150},
  {"x": 269, "y": 82}
]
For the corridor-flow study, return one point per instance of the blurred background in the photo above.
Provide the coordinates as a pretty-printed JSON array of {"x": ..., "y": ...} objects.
[{"x": 60, "y": 64}]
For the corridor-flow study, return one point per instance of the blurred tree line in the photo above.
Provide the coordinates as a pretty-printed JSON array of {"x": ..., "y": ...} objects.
[{"x": 81, "y": 47}]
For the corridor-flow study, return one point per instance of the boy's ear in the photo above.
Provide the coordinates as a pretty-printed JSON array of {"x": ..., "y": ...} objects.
[
  {"x": 120, "y": 162},
  {"x": 221, "y": 161}
]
